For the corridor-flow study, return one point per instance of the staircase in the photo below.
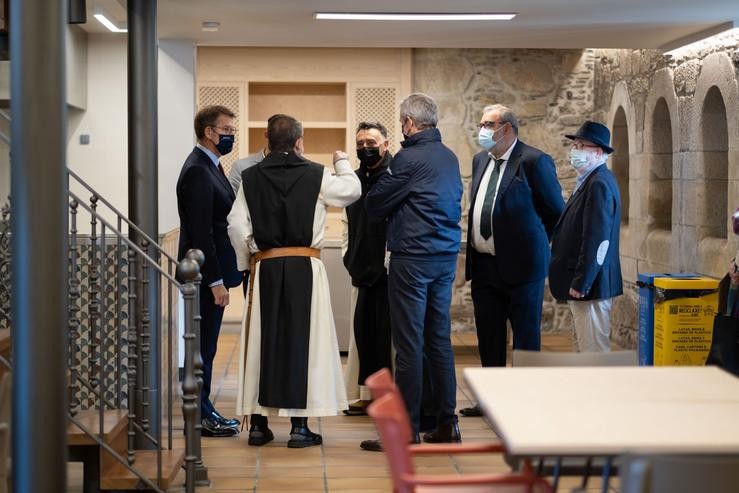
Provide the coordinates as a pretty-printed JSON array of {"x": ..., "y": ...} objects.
[
  {"x": 102, "y": 471},
  {"x": 112, "y": 379}
]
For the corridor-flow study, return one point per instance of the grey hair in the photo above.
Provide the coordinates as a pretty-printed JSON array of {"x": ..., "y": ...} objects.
[
  {"x": 505, "y": 114},
  {"x": 421, "y": 108}
]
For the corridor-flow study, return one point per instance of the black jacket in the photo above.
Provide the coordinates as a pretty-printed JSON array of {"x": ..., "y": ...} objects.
[
  {"x": 204, "y": 199},
  {"x": 591, "y": 218},
  {"x": 365, "y": 254}
]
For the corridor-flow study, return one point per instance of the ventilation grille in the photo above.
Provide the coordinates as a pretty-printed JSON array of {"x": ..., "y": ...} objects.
[
  {"x": 377, "y": 104},
  {"x": 230, "y": 97}
]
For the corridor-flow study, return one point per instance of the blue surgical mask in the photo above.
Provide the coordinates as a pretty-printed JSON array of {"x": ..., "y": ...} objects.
[
  {"x": 225, "y": 143},
  {"x": 579, "y": 158},
  {"x": 485, "y": 138}
]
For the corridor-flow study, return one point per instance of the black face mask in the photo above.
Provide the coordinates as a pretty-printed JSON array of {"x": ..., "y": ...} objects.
[
  {"x": 368, "y": 156},
  {"x": 225, "y": 143}
]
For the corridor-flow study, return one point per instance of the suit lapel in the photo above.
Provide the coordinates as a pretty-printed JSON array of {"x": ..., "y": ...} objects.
[
  {"x": 220, "y": 177},
  {"x": 576, "y": 196},
  {"x": 511, "y": 169},
  {"x": 224, "y": 181}
]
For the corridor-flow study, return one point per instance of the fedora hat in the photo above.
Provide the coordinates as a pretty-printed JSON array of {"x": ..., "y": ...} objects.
[{"x": 595, "y": 132}]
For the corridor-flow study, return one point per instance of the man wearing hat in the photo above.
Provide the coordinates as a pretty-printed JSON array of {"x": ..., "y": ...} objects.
[{"x": 585, "y": 268}]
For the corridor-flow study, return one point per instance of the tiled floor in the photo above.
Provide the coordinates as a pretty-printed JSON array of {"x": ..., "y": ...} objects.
[{"x": 339, "y": 464}]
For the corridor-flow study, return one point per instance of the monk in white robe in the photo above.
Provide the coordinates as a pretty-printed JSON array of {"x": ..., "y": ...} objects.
[{"x": 289, "y": 359}]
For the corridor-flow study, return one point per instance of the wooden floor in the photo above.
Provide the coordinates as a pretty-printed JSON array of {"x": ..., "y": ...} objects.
[{"x": 339, "y": 464}]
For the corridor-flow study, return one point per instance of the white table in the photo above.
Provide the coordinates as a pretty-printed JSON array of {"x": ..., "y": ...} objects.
[{"x": 609, "y": 411}]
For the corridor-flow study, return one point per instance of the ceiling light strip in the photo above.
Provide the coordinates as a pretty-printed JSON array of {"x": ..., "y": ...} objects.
[
  {"x": 368, "y": 16},
  {"x": 109, "y": 24}
]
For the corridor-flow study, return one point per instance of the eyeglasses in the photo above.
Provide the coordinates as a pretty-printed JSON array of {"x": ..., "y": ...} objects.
[
  {"x": 227, "y": 130},
  {"x": 581, "y": 145},
  {"x": 488, "y": 124}
]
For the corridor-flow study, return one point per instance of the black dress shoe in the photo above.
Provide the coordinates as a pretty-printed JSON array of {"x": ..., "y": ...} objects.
[
  {"x": 259, "y": 435},
  {"x": 448, "y": 433},
  {"x": 427, "y": 423},
  {"x": 216, "y": 416},
  {"x": 471, "y": 411},
  {"x": 212, "y": 428},
  {"x": 301, "y": 436},
  {"x": 376, "y": 445},
  {"x": 371, "y": 445}
]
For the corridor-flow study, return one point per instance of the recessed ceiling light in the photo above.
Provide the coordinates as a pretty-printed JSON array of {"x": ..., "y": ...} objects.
[
  {"x": 210, "y": 26},
  {"x": 369, "y": 16},
  {"x": 109, "y": 24}
]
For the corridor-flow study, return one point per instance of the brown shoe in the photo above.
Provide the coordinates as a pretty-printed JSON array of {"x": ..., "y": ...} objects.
[
  {"x": 448, "y": 433},
  {"x": 472, "y": 411},
  {"x": 358, "y": 408}
]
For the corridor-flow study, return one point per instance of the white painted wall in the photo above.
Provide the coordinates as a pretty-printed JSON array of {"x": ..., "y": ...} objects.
[
  {"x": 176, "y": 113},
  {"x": 103, "y": 163},
  {"x": 76, "y": 64},
  {"x": 76, "y": 82}
]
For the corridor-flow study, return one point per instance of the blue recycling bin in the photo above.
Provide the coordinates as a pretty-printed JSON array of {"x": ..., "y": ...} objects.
[{"x": 645, "y": 282}]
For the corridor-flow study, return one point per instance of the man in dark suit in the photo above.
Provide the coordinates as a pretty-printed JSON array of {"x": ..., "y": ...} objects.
[
  {"x": 204, "y": 199},
  {"x": 515, "y": 201},
  {"x": 586, "y": 268}
]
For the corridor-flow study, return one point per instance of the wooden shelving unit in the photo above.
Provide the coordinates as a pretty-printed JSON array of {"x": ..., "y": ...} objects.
[{"x": 320, "y": 107}]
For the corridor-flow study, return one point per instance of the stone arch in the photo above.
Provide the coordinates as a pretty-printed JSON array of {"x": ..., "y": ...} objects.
[
  {"x": 714, "y": 156},
  {"x": 621, "y": 119},
  {"x": 715, "y": 112},
  {"x": 715, "y": 159},
  {"x": 662, "y": 144},
  {"x": 659, "y": 201}
]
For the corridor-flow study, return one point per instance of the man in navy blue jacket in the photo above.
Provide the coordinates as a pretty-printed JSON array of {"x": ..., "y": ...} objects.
[
  {"x": 515, "y": 201},
  {"x": 204, "y": 199},
  {"x": 420, "y": 196},
  {"x": 586, "y": 268}
]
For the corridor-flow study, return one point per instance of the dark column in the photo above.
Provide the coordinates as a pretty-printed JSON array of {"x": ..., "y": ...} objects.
[
  {"x": 142, "y": 182},
  {"x": 39, "y": 243}
]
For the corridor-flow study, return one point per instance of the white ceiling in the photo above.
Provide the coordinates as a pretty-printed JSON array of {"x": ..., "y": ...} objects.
[{"x": 539, "y": 24}]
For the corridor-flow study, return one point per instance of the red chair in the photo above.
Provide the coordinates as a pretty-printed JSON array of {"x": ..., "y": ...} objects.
[
  {"x": 381, "y": 383},
  {"x": 392, "y": 422}
]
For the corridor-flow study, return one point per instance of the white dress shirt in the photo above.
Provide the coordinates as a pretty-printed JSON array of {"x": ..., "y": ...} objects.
[{"x": 478, "y": 242}]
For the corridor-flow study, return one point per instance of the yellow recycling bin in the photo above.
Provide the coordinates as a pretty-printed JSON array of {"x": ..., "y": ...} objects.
[{"x": 683, "y": 320}]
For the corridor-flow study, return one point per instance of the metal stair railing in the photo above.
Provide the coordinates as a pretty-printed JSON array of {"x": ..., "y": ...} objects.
[{"x": 109, "y": 328}]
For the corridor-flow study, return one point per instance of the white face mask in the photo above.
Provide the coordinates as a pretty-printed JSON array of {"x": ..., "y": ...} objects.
[
  {"x": 486, "y": 138},
  {"x": 580, "y": 158}
]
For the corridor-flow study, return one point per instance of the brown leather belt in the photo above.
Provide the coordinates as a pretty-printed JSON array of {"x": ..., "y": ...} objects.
[
  {"x": 287, "y": 252},
  {"x": 265, "y": 255}
]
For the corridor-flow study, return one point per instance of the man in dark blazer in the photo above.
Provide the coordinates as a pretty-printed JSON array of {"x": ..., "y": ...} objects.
[
  {"x": 586, "y": 268},
  {"x": 515, "y": 201},
  {"x": 204, "y": 199}
]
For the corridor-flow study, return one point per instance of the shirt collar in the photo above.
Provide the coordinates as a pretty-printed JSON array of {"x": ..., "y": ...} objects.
[
  {"x": 507, "y": 154},
  {"x": 581, "y": 178},
  {"x": 209, "y": 153}
]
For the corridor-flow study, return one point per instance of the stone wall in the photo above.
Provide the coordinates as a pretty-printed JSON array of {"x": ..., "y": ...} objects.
[
  {"x": 550, "y": 90},
  {"x": 675, "y": 123}
]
